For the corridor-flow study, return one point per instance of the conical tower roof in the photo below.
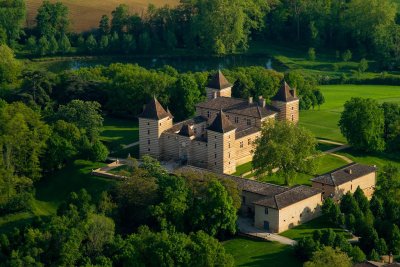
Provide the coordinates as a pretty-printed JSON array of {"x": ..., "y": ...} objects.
[
  {"x": 221, "y": 124},
  {"x": 219, "y": 82},
  {"x": 154, "y": 110},
  {"x": 285, "y": 93}
]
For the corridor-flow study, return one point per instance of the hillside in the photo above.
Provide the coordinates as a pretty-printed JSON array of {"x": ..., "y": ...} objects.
[{"x": 86, "y": 15}]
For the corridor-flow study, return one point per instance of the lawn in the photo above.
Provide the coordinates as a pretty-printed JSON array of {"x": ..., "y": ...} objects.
[
  {"x": 55, "y": 188},
  {"x": 250, "y": 252},
  {"x": 117, "y": 133},
  {"x": 326, "y": 146},
  {"x": 85, "y": 15},
  {"x": 325, "y": 163},
  {"x": 324, "y": 122},
  {"x": 307, "y": 229},
  {"x": 244, "y": 168},
  {"x": 378, "y": 159}
]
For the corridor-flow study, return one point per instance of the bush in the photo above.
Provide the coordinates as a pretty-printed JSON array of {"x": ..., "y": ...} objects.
[
  {"x": 347, "y": 55},
  {"x": 311, "y": 54}
]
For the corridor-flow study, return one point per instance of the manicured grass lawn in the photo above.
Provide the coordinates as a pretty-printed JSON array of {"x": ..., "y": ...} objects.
[
  {"x": 243, "y": 169},
  {"x": 324, "y": 122},
  {"x": 124, "y": 153},
  {"x": 119, "y": 132},
  {"x": 307, "y": 229},
  {"x": 55, "y": 188},
  {"x": 378, "y": 159},
  {"x": 325, "y": 163},
  {"x": 249, "y": 252}
]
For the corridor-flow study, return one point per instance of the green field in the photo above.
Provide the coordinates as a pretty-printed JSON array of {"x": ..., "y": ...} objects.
[
  {"x": 250, "y": 252},
  {"x": 117, "y": 133},
  {"x": 307, "y": 229},
  {"x": 324, "y": 122},
  {"x": 378, "y": 159}
]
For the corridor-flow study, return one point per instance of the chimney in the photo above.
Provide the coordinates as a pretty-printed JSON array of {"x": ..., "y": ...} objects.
[
  {"x": 390, "y": 258},
  {"x": 250, "y": 100},
  {"x": 349, "y": 171},
  {"x": 261, "y": 101},
  {"x": 214, "y": 95}
]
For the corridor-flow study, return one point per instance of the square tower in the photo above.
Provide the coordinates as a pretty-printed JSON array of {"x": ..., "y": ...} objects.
[
  {"x": 287, "y": 103},
  {"x": 153, "y": 121},
  {"x": 219, "y": 86},
  {"x": 221, "y": 135}
]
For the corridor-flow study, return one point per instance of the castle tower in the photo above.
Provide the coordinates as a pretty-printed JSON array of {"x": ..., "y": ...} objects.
[
  {"x": 153, "y": 121},
  {"x": 287, "y": 102},
  {"x": 218, "y": 86},
  {"x": 221, "y": 145}
]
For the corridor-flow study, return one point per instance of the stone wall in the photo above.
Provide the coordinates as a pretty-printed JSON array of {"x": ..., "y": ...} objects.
[
  {"x": 288, "y": 110},
  {"x": 149, "y": 135},
  {"x": 221, "y": 152}
]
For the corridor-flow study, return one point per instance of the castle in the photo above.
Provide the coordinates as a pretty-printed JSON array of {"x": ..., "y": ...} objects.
[{"x": 221, "y": 135}]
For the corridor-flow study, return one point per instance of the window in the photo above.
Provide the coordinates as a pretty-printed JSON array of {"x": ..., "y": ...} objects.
[
  {"x": 148, "y": 142},
  {"x": 292, "y": 108},
  {"x": 208, "y": 114},
  {"x": 195, "y": 131},
  {"x": 148, "y": 131},
  {"x": 215, "y": 163},
  {"x": 241, "y": 144},
  {"x": 229, "y": 145},
  {"x": 244, "y": 199},
  {"x": 249, "y": 141},
  {"x": 229, "y": 155},
  {"x": 148, "y": 149},
  {"x": 160, "y": 123},
  {"x": 248, "y": 122},
  {"x": 236, "y": 119},
  {"x": 148, "y": 123},
  {"x": 215, "y": 156},
  {"x": 215, "y": 145},
  {"x": 266, "y": 210},
  {"x": 292, "y": 117}
]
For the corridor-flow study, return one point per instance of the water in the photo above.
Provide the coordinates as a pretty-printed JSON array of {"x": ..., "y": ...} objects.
[{"x": 182, "y": 64}]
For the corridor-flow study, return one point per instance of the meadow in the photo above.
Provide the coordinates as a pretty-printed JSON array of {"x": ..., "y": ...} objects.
[
  {"x": 85, "y": 15},
  {"x": 323, "y": 122}
]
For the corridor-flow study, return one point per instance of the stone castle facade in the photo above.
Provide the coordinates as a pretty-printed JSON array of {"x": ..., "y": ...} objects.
[{"x": 221, "y": 135}]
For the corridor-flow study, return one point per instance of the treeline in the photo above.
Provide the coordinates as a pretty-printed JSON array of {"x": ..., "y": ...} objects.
[
  {"x": 371, "y": 127},
  {"x": 369, "y": 28},
  {"x": 152, "y": 218},
  {"x": 376, "y": 222}
]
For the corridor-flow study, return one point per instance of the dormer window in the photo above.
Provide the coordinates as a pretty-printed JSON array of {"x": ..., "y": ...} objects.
[
  {"x": 248, "y": 122},
  {"x": 236, "y": 119}
]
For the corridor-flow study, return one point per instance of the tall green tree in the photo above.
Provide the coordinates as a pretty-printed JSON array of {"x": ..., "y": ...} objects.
[
  {"x": 52, "y": 19},
  {"x": 10, "y": 67},
  {"x": 12, "y": 18},
  {"x": 286, "y": 147},
  {"x": 329, "y": 257},
  {"x": 362, "y": 123}
]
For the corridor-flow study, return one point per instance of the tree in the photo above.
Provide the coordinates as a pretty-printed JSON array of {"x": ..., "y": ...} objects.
[
  {"x": 319, "y": 97},
  {"x": 374, "y": 256},
  {"x": 119, "y": 19},
  {"x": 144, "y": 42},
  {"x": 52, "y": 19},
  {"x": 43, "y": 46},
  {"x": 392, "y": 126},
  {"x": 357, "y": 255},
  {"x": 332, "y": 211},
  {"x": 65, "y": 45},
  {"x": 104, "y": 43},
  {"x": 36, "y": 88},
  {"x": 394, "y": 240},
  {"x": 311, "y": 54},
  {"x": 31, "y": 44},
  {"x": 376, "y": 207},
  {"x": 329, "y": 257},
  {"x": 347, "y": 55},
  {"x": 84, "y": 114},
  {"x": 185, "y": 95},
  {"x": 361, "y": 199},
  {"x": 10, "y": 67},
  {"x": 293, "y": 149},
  {"x": 305, "y": 248},
  {"x": 91, "y": 44},
  {"x": 104, "y": 26},
  {"x": 214, "y": 213},
  {"x": 12, "y": 18},
  {"x": 362, "y": 123},
  {"x": 363, "y": 65},
  {"x": 53, "y": 45}
]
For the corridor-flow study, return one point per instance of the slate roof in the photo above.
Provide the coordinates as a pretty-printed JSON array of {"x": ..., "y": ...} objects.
[
  {"x": 221, "y": 124},
  {"x": 288, "y": 197},
  {"x": 218, "y": 81},
  {"x": 344, "y": 174},
  {"x": 285, "y": 93},
  {"x": 186, "y": 131},
  {"x": 154, "y": 110},
  {"x": 238, "y": 106},
  {"x": 244, "y": 132},
  {"x": 178, "y": 126}
]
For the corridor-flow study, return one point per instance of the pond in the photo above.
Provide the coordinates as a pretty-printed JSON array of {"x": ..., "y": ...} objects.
[{"x": 182, "y": 64}]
